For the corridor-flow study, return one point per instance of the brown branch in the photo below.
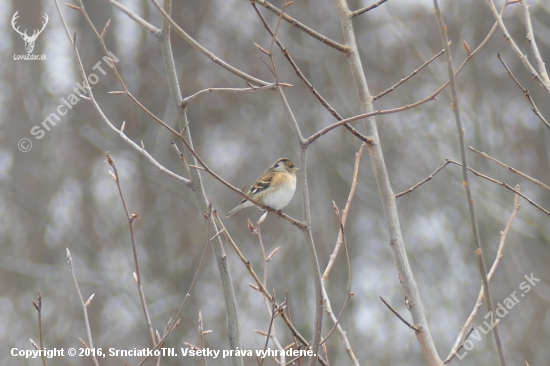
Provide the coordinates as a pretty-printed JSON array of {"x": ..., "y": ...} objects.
[
  {"x": 505, "y": 185},
  {"x": 415, "y": 328},
  {"x": 38, "y": 307},
  {"x": 301, "y": 76},
  {"x": 130, "y": 218},
  {"x": 510, "y": 168},
  {"x": 174, "y": 321},
  {"x": 465, "y": 180},
  {"x": 260, "y": 287},
  {"x": 525, "y": 92},
  {"x": 514, "y": 46},
  {"x": 533, "y": 43},
  {"x": 91, "y": 98},
  {"x": 459, "y": 348},
  {"x": 408, "y": 77},
  {"x": 303, "y": 27},
  {"x": 348, "y": 290},
  {"x": 340, "y": 238},
  {"x": 422, "y": 181},
  {"x": 409, "y": 106},
  {"x": 355, "y": 13},
  {"x": 196, "y": 45},
  {"x": 83, "y": 303},
  {"x": 185, "y": 101},
  {"x": 504, "y": 234},
  {"x": 140, "y": 21}
]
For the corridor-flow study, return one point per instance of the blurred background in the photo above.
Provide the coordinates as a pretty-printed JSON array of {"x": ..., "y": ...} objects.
[{"x": 60, "y": 194}]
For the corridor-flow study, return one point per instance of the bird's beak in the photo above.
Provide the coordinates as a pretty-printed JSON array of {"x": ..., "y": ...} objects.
[{"x": 295, "y": 169}]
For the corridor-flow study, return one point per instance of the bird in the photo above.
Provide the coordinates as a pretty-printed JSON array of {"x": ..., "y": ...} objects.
[{"x": 274, "y": 188}]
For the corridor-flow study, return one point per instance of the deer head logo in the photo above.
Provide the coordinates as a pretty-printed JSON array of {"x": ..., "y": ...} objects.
[{"x": 29, "y": 40}]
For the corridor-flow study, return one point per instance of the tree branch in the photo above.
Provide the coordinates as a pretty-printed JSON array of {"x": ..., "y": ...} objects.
[
  {"x": 353, "y": 14},
  {"x": 303, "y": 27},
  {"x": 465, "y": 180},
  {"x": 196, "y": 45},
  {"x": 514, "y": 46},
  {"x": 525, "y": 91},
  {"x": 387, "y": 196}
]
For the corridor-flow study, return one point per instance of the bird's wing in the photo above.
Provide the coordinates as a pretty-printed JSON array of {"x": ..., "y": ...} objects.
[{"x": 263, "y": 182}]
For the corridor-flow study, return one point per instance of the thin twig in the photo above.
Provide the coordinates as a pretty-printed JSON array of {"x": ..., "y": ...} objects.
[
  {"x": 310, "y": 245},
  {"x": 504, "y": 234},
  {"x": 408, "y": 77},
  {"x": 505, "y": 185},
  {"x": 514, "y": 46},
  {"x": 269, "y": 303},
  {"x": 140, "y": 21},
  {"x": 120, "y": 131},
  {"x": 525, "y": 92},
  {"x": 353, "y": 14},
  {"x": 461, "y": 345},
  {"x": 396, "y": 242},
  {"x": 510, "y": 168},
  {"x": 201, "y": 337},
  {"x": 300, "y": 75},
  {"x": 422, "y": 181},
  {"x": 466, "y": 182},
  {"x": 195, "y": 96},
  {"x": 196, "y": 45},
  {"x": 465, "y": 179},
  {"x": 340, "y": 238},
  {"x": 174, "y": 321},
  {"x": 260, "y": 285},
  {"x": 348, "y": 290},
  {"x": 303, "y": 27},
  {"x": 408, "y": 106},
  {"x": 83, "y": 303},
  {"x": 533, "y": 43},
  {"x": 197, "y": 186},
  {"x": 38, "y": 307},
  {"x": 416, "y": 329},
  {"x": 130, "y": 218},
  {"x": 274, "y": 308}
]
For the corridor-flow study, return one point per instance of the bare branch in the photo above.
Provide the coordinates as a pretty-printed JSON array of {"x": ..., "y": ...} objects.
[
  {"x": 461, "y": 344},
  {"x": 200, "y": 93},
  {"x": 415, "y": 328},
  {"x": 353, "y": 14},
  {"x": 38, "y": 307},
  {"x": 303, "y": 27},
  {"x": 196, "y": 45},
  {"x": 422, "y": 181},
  {"x": 514, "y": 46},
  {"x": 408, "y": 77},
  {"x": 340, "y": 238},
  {"x": 533, "y": 43},
  {"x": 387, "y": 196},
  {"x": 260, "y": 285},
  {"x": 510, "y": 168},
  {"x": 504, "y": 234},
  {"x": 82, "y": 302},
  {"x": 526, "y": 92},
  {"x": 465, "y": 180},
  {"x": 136, "y": 18},
  {"x": 130, "y": 219},
  {"x": 505, "y": 185},
  {"x": 349, "y": 293}
]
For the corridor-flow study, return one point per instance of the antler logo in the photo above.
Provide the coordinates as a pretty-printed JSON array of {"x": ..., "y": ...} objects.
[{"x": 29, "y": 40}]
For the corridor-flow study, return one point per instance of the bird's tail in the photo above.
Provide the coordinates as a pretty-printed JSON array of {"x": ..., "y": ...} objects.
[{"x": 237, "y": 208}]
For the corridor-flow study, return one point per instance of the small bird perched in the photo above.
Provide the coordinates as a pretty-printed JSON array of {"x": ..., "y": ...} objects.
[{"x": 274, "y": 188}]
